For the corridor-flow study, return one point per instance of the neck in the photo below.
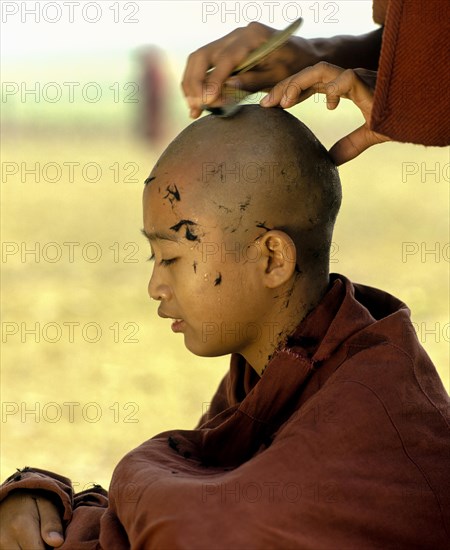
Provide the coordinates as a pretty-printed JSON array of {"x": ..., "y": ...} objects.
[{"x": 292, "y": 305}]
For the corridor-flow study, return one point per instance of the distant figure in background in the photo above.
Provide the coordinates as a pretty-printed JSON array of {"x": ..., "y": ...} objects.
[{"x": 152, "y": 94}]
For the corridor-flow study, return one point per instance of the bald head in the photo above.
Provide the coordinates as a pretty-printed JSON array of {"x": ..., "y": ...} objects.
[{"x": 261, "y": 169}]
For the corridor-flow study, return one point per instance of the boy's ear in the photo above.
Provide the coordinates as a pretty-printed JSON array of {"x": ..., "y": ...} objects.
[{"x": 278, "y": 256}]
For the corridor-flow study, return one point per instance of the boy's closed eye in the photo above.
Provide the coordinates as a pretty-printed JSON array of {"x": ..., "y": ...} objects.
[
  {"x": 163, "y": 262},
  {"x": 170, "y": 261}
]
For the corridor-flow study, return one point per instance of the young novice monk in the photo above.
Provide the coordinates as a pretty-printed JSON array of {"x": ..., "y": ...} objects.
[{"x": 331, "y": 429}]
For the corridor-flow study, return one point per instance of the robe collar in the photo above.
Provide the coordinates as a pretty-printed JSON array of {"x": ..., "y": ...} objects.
[{"x": 258, "y": 406}]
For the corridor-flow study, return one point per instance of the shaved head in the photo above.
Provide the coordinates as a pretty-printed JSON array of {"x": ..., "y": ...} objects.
[
  {"x": 259, "y": 170},
  {"x": 239, "y": 213}
]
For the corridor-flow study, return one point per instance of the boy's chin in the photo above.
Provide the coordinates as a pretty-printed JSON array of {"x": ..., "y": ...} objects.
[{"x": 204, "y": 350}]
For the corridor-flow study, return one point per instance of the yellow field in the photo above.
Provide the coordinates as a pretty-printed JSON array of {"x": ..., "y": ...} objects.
[{"x": 94, "y": 401}]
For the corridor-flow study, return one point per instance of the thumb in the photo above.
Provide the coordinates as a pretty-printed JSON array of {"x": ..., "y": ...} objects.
[
  {"x": 349, "y": 147},
  {"x": 51, "y": 525}
]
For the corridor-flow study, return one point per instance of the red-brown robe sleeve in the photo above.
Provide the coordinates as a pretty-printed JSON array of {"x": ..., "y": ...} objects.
[
  {"x": 412, "y": 94},
  {"x": 80, "y": 513}
]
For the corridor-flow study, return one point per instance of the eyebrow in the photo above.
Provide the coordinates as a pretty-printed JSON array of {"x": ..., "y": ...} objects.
[{"x": 158, "y": 235}]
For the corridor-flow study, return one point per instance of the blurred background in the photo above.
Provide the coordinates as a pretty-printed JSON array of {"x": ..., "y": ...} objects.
[{"x": 90, "y": 98}]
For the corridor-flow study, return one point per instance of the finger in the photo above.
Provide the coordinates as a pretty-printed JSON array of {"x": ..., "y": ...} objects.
[
  {"x": 32, "y": 542},
  {"x": 225, "y": 64},
  {"x": 332, "y": 91},
  {"x": 225, "y": 54},
  {"x": 27, "y": 538},
  {"x": 280, "y": 92},
  {"x": 202, "y": 88},
  {"x": 20, "y": 523},
  {"x": 350, "y": 86},
  {"x": 7, "y": 543},
  {"x": 50, "y": 522},
  {"x": 332, "y": 102},
  {"x": 292, "y": 95},
  {"x": 242, "y": 42},
  {"x": 349, "y": 147},
  {"x": 252, "y": 81},
  {"x": 194, "y": 75},
  {"x": 195, "y": 112},
  {"x": 368, "y": 77},
  {"x": 287, "y": 92}
]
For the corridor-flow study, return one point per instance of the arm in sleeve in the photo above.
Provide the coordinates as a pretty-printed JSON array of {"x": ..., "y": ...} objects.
[{"x": 81, "y": 513}]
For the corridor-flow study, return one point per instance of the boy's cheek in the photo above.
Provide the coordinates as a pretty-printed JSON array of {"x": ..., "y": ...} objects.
[
  {"x": 211, "y": 270},
  {"x": 213, "y": 253}
]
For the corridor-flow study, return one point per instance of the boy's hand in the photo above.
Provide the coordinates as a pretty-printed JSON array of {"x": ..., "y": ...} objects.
[
  {"x": 335, "y": 82},
  {"x": 203, "y": 88},
  {"x": 29, "y": 522}
]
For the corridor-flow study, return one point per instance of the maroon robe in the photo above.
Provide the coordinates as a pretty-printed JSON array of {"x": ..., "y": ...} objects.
[
  {"x": 343, "y": 443},
  {"x": 412, "y": 94}
]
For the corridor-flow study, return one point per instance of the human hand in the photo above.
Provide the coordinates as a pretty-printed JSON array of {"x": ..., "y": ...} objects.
[
  {"x": 335, "y": 82},
  {"x": 29, "y": 521},
  {"x": 204, "y": 88}
]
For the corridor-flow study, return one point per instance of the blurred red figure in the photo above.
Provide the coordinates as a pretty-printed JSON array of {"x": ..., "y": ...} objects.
[{"x": 152, "y": 94}]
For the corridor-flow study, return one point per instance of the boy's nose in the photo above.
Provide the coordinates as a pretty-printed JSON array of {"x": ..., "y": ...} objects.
[{"x": 158, "y": 290}]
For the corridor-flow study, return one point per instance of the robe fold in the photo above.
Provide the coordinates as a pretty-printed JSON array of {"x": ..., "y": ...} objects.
[
  {"x": 412, "y": 94},
  {"x": 343, "y": 443}
]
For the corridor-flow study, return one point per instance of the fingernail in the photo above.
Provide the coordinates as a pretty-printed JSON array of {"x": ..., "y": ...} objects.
[
  {"x": 195, "y": 113},
  {"x": 265, "y": 101},
  {"x": 55, "y": 534},
  {"x": 208, "y": 99}
]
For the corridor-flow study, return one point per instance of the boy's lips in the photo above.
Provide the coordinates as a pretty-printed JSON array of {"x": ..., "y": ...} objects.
[{"x": 178, "y": 323}]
